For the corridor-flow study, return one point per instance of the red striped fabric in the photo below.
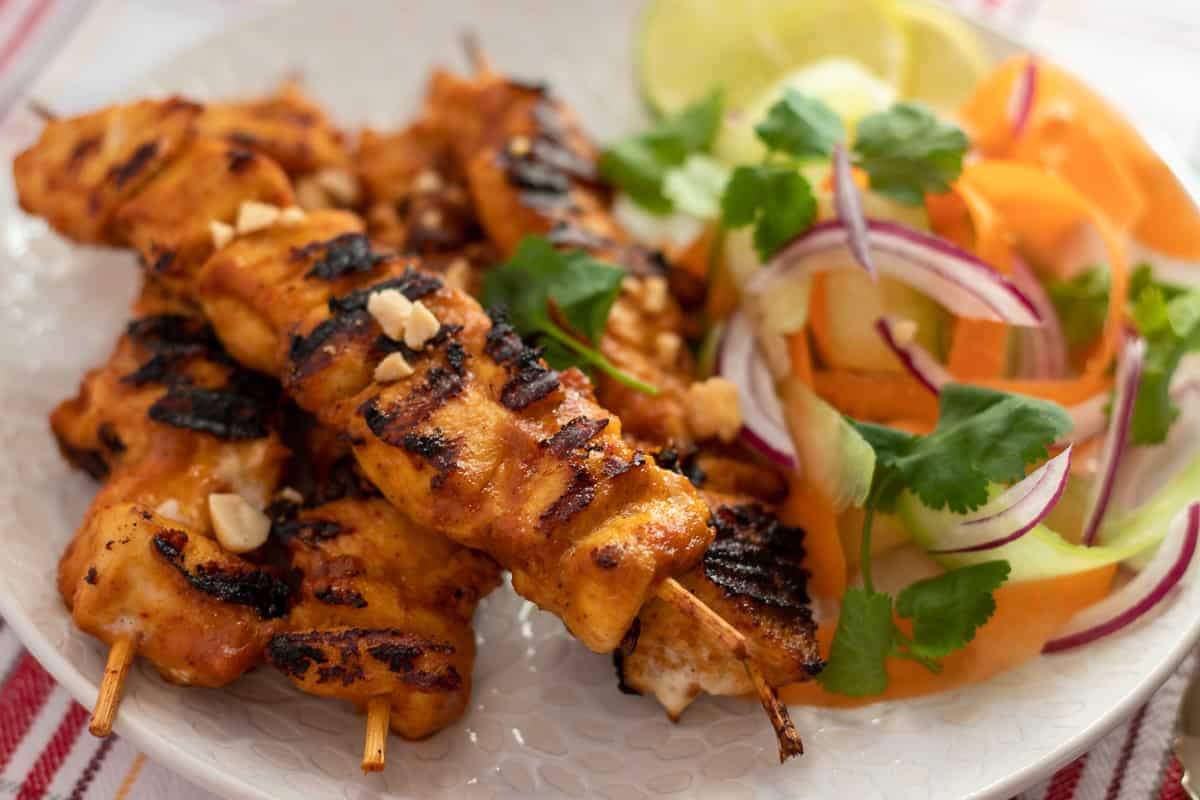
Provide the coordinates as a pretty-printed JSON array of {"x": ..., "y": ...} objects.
[
  {"x": 21, "y": 698},
  {"x": 1172, "y": 786},
  {"x": 55, "y": 752},
  {"x": 23, "y": 29},
  {"x": 1131, "y": 737},
  {"x": 1064, "y": 782}
]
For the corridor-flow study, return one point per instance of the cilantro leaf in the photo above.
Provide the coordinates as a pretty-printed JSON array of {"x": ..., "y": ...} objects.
[
  {"x": 1169, "y": 320},
  {"x": 947, "y": 609},
  {"x": 865, "y": 636},
  {"x": 982, "y": 437},
  {"x": 907, "y": 151},
  {"x": 640, "y": 164},
  {"x": 775, "y": 198},
  {"x": 540, "y": 285},
  {"x": 1082, "y": 305},
  {"x": 695, "y": 186},
  {"x": 801, "y": 127}
]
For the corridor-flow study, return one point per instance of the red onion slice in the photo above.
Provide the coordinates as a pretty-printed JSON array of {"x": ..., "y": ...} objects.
[
  {"x": 1129, "y": 378},
  {"x": 958, "y": 280},
  {"x": 1020, "y": 102},
  {"x": 1015, "y": 512},
  {"x": 1043, "y": 350},
  {"x": 1090, "y": 418},
  {"x": 848, "y": 203},
  {"x": 740, "y": 361},
  {"x": 1145, "y": 591},
  {"x": 899, "y": 335}
]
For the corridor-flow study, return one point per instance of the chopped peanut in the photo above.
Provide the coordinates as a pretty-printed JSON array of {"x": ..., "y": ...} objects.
[
  {"x": 239, "y": 526},
  {"x": 341, "y": 185},
  {"x": 254, "y": 216},
  {"x": 292, "y": 215},
  {"x": 422, "y": 326},
  {"x": 655, "y": 294},
  {"x": 222, "y": 233},
  {"x": 667, "y": 345},
  {"x": 392, "y": 368},
  {"x": 392, "y": 310},
  {"x": 712, "y": 410},
  {"x": 427, "y": 181}
]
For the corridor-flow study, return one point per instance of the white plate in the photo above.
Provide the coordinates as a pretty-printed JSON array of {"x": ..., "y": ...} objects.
[{"x": 547, "y": 718}]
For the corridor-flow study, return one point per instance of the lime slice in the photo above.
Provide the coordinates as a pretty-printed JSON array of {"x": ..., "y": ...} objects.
[
  {"x": 845, "y": 86},
  {"x": 687, "y": 47},
  {"x": 946, "y": 58}
]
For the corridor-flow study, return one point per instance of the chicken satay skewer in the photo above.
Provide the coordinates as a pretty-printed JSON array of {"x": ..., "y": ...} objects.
[
  {"x": 676, "y": 595},
  {"x": 120, "y": 656}
]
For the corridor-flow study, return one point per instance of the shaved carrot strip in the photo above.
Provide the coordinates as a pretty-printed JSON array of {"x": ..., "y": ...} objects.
[
  {"x": 696, "y": 258},
  {"x": 1027, "y": 615},
  {"x": 818, "y": 317},
  {"x": 808, "y": 508},
  {"x": 1065, "y": 393},
  {"x": 875, "y": 396},
  {"x": 800, "y": 357}
]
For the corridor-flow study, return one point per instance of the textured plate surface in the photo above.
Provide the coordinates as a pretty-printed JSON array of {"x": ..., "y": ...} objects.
[{"x": 547, "y": 720}]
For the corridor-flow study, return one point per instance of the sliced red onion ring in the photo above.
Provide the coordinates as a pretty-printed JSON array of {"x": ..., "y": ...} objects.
[
  {"x": 1043, "y": 350},
  {"x": 1129, "y": 378},
  {"x": 1089, "y": 417},
  {"x": 848, "y": 203},
  {"x": 899, "y": 335},
  {"x": 1020, "y": 102},
  {"x": 740, "y": 361},
  {"x": 1145, "y": 591},
  {"x": 1015, "y": 512},
  {"x": 958, "y": 280}
]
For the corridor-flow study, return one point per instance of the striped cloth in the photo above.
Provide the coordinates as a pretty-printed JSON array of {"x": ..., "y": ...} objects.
[{"x": 54, "y": 49}]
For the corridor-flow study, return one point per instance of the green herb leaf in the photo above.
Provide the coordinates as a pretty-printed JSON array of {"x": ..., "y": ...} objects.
[
  {"x": 540, "y": 284},
  {"x": 775, "y": 198},
  {"x": 801, "y": 127},
  {"x": 907, "y": 151},
  {"x": 1168, "y": 319},
  {"x": 695, "y": 187},
  {"x": 982, "y": 437},
  {"x": 865, "y": 637},
  {"x": 1082, "y": 305},
  {"x": 639, "y": 165},
  {"x": 947, "y": 609}
]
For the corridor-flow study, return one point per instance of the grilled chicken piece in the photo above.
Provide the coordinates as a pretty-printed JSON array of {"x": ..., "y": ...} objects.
[
  {"x": 383, "y": 608},
  {"x": 169, "y": 420},
  {"x": 483, "y": 442},
  {"x": 531, "y": 170},
  {"x": 753, "y": 576},
  {"x": 83, "y": 168},
  {"x": 287, "y": 126}
]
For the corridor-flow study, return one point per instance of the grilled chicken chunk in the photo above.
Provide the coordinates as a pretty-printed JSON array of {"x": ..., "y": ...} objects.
[{"x": 169, "y": 420}]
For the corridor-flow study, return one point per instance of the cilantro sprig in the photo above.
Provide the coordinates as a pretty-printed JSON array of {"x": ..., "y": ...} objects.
[
  {"x": 1168, "y": 318},
  {"x": 982, "y": 437},
  {"x": 906, "y": 151},
  {"x": 562, "y": 300},
  {"x": 1082, "y": 304},
  {"x": 643, "y": 165}
]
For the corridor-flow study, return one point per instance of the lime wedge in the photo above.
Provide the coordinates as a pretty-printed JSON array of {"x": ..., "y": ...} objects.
[
  {"x": 845, "y": 86},
  {"x": 946, "y": 58},
  {"x": 687, "y": 47}
]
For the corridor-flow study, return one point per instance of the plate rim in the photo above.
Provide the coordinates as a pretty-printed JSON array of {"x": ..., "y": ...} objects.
[{"x": 202, "y": 772}]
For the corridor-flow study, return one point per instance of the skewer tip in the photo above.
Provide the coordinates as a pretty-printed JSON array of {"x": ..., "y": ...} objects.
[
  {"x": 790, "y": 744},
  {"x": 379, "y": 712},
  {"x": 40, "y": 109},
  {"x": 474, "y": 50},
  {"x": 120, "y": 656}
]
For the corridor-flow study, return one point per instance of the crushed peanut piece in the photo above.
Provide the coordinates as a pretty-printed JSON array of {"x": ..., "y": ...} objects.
[
  {"x": 431, "y": 219},
  {"x": 422, "y": 326},
  {"x": 458, "y": 275},
  {"x": 624, "y": 321},
  {"x": 392, "y": 368},
  {"x": 222, "y": 233},
  {"x": 292, "y": 215},
  {"x": 254, "y": 216},
  {"x": 713, "y": 411},
  {"x": 520, "y": 145},
  {"x": 392, "y": 310},
  {"x": 310, "y": 195},
  {"x": 427, "y": 181},
  {"x": 170, "y": 509},
  {"x": 655, "y": 294},
  {"x": 341, "y": 185},
  {"x": 240, "y": 527},
  {"x": 667, "y": 345},
  {"x": 290, "y": 495}
]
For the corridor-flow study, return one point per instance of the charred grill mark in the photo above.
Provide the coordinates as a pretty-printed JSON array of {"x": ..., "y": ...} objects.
[
  {"x": 440, "y": 452},
  {"x": 412, "y": 284},
  {"x": 163, "y": 262},
  {"x": 608, "y": 556},
  {"x": 157, "y": 369},
  {"x": 90, "y": 461},
  {"x": 83, "y": 150},
  {"x": 565, "y": 234},
  {"x": 109, "y": 437},
  {"x": 391, "y": 426},
  {"x": 239, "y": 159},
  {"x": 756, "y": 556},
  {"x": 628, "y": 644},
  {"x": 614, "y": 467},
  {"x": 530, "y": 381},
  {"x": 574, "y": 435},
  {"x": 529, "y": 173},
  {"x": 312, "y": 353},
  {"x": 549, "y": 121},
  {"x": 122, "y": 173},
  {"x": 176, "y": 334},
  {"x": 502, "y": 343},
  {"x": 91, "y": 576},
  {"x": 294, "y": 654},
  {"x": 579, "y": 494},
  {"x": 560, "y": 157},
  {"x": 347, "y": 254},
  {"x": 225, "y": 414},
  {"x": 686, "y": 464},
  {"x": 342, "y": 481},
  {"x": 339, "y": 596},
  {"x": 255, "y": 588},
  {"x": 456, "y": 356},
  {"x": 311, "y": 532}
]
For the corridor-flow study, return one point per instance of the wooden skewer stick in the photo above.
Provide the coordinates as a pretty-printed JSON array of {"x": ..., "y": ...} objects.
[
  {"x": 673, "y": 592},
  {"x": 379, "y": 717},
  {"x": 41, "y": 109},
  {"x": 475, "y": 55},
  {"x": 120, "y": 656}
]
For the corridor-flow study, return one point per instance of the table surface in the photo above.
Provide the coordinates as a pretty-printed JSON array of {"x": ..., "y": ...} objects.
[{"x": 74, "y": 54}]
